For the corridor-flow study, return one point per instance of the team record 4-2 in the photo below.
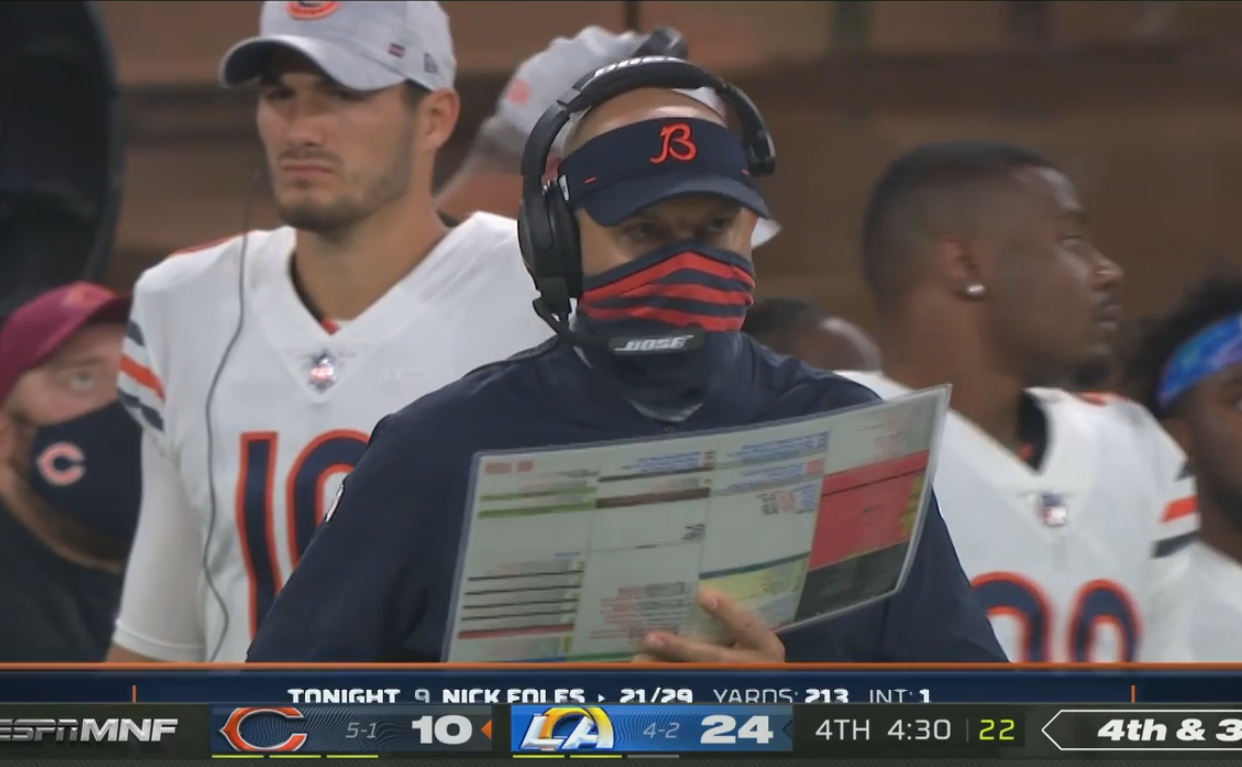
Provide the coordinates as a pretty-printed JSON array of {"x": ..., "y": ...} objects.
[{"x": 639, "y": 712}]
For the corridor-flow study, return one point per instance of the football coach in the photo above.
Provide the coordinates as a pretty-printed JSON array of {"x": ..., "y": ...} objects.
[{"x": 654, "y": 194}]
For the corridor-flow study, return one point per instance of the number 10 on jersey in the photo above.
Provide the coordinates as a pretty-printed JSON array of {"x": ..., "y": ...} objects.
[{"x": 261, "y": 517}]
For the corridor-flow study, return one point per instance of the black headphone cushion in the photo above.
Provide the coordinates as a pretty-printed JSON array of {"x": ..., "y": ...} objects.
[
  {"x": 525, "y": 243},
  {"x": 565, "y": 257}
]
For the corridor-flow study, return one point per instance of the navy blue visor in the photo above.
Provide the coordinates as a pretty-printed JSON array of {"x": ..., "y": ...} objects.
[{"x": 617, "y": 174}]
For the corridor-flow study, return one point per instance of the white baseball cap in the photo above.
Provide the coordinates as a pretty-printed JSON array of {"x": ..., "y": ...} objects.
[{"x": 360, "y": 44}]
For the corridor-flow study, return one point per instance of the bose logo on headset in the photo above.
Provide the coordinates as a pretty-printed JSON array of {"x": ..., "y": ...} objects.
[
  {"x": 632, "y": 63},
  {"x": 648, "y": 345}
]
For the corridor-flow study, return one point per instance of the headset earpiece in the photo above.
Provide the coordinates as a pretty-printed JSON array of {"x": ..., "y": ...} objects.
[
  {"x": 525, "y": 243},
  {"x": 565, "y": 256},
  {"x": 546, "y": 227},
  {"x": 760, "y": 149},
  {"x": 533, "y": 235}
]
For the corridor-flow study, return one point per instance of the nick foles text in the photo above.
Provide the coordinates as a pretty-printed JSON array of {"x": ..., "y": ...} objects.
[{"x": 532, "y": 695}]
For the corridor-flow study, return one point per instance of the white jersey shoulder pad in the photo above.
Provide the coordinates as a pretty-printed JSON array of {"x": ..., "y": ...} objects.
[
  {"x": 177, "y": 294},
  {"x": 1128, "y": 425}
]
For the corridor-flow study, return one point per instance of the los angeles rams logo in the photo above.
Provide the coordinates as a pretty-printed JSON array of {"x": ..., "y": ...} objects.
[{"x": 307, "y": 10}]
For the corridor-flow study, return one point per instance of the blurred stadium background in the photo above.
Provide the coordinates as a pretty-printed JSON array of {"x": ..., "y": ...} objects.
[{"x": 1140, "y": 101}]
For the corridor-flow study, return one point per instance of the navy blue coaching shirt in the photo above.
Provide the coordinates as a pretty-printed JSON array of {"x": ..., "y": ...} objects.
[{"x": 375, "y": 585}]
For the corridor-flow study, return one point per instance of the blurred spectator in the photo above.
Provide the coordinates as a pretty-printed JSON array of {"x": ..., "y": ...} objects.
[
  {"x": 804, "y": 330},
  {"x": 69, "y": 474},
  {"x": 489, "y": 178}
]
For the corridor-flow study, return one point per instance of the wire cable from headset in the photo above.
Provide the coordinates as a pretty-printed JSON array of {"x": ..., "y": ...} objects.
[{"x": 207, "y": 407}]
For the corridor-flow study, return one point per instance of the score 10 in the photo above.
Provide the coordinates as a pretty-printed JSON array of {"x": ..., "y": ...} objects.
[{"x": 651, "y": 729}]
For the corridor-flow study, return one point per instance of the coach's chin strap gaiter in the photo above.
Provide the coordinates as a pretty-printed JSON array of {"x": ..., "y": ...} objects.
[{"x": 686, "y": 286}]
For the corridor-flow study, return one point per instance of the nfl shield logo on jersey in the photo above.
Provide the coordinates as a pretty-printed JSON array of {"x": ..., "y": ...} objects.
[
  {"x": 1052, "y": 510},
  {"x": 323, "y": 370},
  {"x": 336, "y": 500}
]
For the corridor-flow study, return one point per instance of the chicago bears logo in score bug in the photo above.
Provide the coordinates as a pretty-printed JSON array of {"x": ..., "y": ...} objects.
[{"x": 561, "y": 728}]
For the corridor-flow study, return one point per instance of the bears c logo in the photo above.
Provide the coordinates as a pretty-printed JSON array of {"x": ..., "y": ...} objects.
[
  {"x": 307, "y": 10},
  {"x": 62, "y": 464}
]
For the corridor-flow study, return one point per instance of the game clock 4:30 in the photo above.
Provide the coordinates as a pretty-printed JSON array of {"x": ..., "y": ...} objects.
[
  {"x": 998, "y": 730},
  {"x": 942, "y": 729}
]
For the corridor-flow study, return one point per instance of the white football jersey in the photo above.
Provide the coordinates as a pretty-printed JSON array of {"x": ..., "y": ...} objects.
[
  {"x": 1213, "y": 595},
  {"x": 1080, "y": 560},
  {"x": 254, "y": 412}
]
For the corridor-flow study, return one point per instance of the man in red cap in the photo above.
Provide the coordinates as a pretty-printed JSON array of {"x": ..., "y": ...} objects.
[{"x": 70, "y": 480}]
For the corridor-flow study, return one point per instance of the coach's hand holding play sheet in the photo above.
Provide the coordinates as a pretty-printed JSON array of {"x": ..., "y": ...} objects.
[
  {"x": 580, "y": 554},
  {"x": 570, "y": 502}
]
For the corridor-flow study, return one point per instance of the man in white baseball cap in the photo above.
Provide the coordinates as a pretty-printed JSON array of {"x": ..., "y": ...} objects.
[
  {"x": 366, "y": 46},
  {"x": 258, "y": 365},
  {"x": 375, "y": 45}
]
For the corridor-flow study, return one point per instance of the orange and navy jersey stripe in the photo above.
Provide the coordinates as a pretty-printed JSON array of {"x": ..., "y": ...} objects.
[
  {"x": 139, "y": 387},
  {"x": 1178, "y": 514},
  {"x": 1179, "y": 520},
  {"x": 1180, "y": 508},
  {"x": 1178, "y": 525}
]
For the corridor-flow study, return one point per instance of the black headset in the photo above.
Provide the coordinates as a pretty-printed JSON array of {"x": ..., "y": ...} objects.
[{"x": 547, "y": 229}]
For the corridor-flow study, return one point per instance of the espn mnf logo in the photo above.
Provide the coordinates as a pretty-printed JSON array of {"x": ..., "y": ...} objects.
[
  {"x": 68, "y": 730},
  {"x": 568, "y": 728}
]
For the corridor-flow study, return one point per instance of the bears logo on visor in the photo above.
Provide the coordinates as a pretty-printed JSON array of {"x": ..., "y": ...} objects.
[{"x": 307, "y": 10}]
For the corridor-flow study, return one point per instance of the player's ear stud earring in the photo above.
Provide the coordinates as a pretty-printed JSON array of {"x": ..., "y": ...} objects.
[{"x": 974, "y": 290}]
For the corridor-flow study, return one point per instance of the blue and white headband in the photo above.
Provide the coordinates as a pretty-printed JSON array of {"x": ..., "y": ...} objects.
[{"x": 1211, "y": 350}]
